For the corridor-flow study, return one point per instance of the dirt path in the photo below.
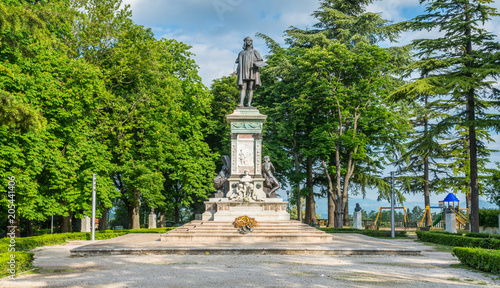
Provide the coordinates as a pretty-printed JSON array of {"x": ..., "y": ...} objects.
[{"x": 431, "y": 269}]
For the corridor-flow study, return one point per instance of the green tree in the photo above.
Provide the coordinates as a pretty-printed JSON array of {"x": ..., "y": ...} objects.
[
  {"x": 459, "y": 65},
  {"x": 493, "y": 186},
  {"x": 54, "y": 165},
  {"x": 225, "y": 93},
  {"x": 419, "y": 166},
  {"x": 349, "y": 22}
]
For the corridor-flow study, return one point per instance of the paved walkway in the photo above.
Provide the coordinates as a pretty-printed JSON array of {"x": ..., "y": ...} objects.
[{"x": 430, "y": 269}]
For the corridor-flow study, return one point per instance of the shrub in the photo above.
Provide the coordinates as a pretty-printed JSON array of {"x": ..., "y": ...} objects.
[
  {"x": 371, "y": 233},
  {"x": 457, "y": 240},
  {"x": 481, "y": 259},
  {"x": 482, "y": 235},
  {"x": 22, "y": 262},
  {"x": 488, "y": 217},
  {"x": 28, "y": 243}
]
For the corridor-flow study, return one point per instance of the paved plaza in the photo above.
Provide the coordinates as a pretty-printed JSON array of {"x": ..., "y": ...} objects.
[{"x": 57, "y": 268}]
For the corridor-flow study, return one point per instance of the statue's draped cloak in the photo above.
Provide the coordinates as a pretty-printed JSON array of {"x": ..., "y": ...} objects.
[{"x": 246, "y": 68}]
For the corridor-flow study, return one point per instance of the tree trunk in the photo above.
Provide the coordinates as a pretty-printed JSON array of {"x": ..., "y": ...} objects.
[
  {"x": 338, "y": 215},
  {"x": 474, "y": 189},
  {"x": 346, "y": 211},
  {"x": 177, "y": 214},
  {"x": 471, "y": 117},
  {"x": 310, "y": 203},
  {"x": 134, "y": 206},
  {"x": 67, "y": 223},
  {"x": 331, "y": 210},
  {"x": 163, "y": 220},
  {"x": 427, "y": 201},
  {"x": 103, "y": 222},
  {"x": 29, "y": 228},
  {"x": 17, "y": 225},
  {"x": 297, "y": 172}
]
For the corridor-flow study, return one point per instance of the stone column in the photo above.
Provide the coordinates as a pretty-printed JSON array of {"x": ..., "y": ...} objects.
[
  {"x": 246, "y": 146},
  {"x": 451, "y": 222},
  {"x": 357, "y": 217},
  {"x": 85, "y": 221}
]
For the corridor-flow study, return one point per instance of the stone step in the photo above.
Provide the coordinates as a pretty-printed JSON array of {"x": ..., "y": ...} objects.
[
  {"x": 258, "y": 229},
  {"x": 247, "y": 238},
  {"x": 225, "y": 232},
  {"x": 235, "y": 231},
  {"x": 230, "y": 224}
]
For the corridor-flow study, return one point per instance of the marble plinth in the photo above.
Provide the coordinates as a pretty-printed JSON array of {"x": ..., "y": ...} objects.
[
  {"x": 357, "y": 223},
  {"x": 152, "y": 221},
  {"x": 85, "y": 221},
  {"x": 223, "y": 209}
]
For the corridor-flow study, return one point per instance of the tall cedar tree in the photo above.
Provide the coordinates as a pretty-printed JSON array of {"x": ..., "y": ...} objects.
[
  {"x": 348, "y": 22},
  {"x": 460, "y": 64}
]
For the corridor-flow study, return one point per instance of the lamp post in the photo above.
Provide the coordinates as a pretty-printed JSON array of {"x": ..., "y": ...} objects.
[
  {"x": 393, "y": 232},
  {"x": 92, "y": 224}
]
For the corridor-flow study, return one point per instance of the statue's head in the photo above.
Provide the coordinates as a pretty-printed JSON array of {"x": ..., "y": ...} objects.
[
  {"x": 248, "y": 43},
  {"x": 357, "y": 204},
  {"x": 246, "y": 171},
  {"x": 266, "y": 158}
]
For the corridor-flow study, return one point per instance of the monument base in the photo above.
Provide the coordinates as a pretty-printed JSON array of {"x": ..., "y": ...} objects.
[{"x": 223, "y": 209}]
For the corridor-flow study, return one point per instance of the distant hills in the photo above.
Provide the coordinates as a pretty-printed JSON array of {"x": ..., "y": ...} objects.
[{"x": 370, "y": 204}]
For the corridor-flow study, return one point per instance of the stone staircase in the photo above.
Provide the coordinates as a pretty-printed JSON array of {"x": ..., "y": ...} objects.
[{"x": 224, "y": 232}]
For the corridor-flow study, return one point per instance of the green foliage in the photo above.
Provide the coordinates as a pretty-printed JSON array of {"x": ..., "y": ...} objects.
[
  {"x": 28, "y": 243},
  {"x": 492, "y": 187},
  {"x": 459, "y": 67},
  {"x": 371, "y": 233},
  {"x": 482, "y": 235},
  {"x": 22, "y": 262},
  {"x": 458, "y": 240},
  {"x": 488, "y": 217},
  {"x": 481, "y": 259},
  {"x": 225, "y": 95},
  {"x": 348, "y": 22}
]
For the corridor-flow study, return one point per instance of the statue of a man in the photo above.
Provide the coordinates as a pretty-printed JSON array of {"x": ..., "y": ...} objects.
[{"x": 249, "y": 61}]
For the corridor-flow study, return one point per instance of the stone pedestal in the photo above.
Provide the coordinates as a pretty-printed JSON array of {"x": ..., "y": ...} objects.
[
  {"x": 246, "y": 147},
  {"x": 85, "y": 223},
  {"x": 223, "y": 209},
  {"x": 152, "y": 221},
  {"x": 248, "y": 192},
  {"x": 451, "y": 223},
  {"x": 357, "y": 219}
]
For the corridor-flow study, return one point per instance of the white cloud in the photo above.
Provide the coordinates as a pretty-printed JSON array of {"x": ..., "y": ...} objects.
[{"x": 216, "y": 28}]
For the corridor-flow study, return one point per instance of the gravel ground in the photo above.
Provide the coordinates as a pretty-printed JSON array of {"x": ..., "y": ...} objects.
[{"x": 431, "y": 269}]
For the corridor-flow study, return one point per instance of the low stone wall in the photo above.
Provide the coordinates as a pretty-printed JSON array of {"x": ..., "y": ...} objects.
[{"x": 490, "y": 230}]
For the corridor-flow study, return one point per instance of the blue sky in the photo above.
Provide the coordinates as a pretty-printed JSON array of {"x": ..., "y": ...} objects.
[{"x": 216, "y": 28}]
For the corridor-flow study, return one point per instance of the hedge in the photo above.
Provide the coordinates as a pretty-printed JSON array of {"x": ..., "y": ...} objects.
[
  {"x": 22, "y": 262},
  {"x": 23, "y": 259},
  {"x": 458, "y": 241},
  {"x": 481, "y": 259},
  {"x": 482, "y": 235},
  {"x": 28, "y": 243},
  {"x": 371, "y": 233},
  {"x": 488, "y": 217}
]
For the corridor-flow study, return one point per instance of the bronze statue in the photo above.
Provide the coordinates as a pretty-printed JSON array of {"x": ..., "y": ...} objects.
[
  {"x": 249, "y": 61},
  {"x": 271, "y": 184},
  {"x": 220, "y": 182},
  {"x": 358, "y": 208}
]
